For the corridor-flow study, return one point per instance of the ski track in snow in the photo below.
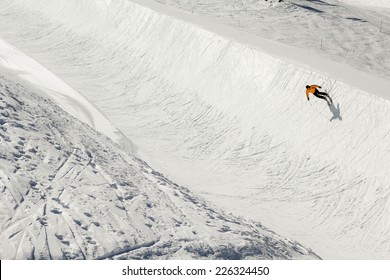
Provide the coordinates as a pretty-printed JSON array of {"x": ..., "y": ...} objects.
[
  {"x": 225, "y": 119},
  {"x": 69, "y": 192}
]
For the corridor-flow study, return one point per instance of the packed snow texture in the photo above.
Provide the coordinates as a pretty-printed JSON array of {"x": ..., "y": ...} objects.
[
  {"x": 336, "y": 29},
  {"x": 228, "y": 120},
  {"x": 69, "y": 192},
  {"x": 67, "y": 98}
]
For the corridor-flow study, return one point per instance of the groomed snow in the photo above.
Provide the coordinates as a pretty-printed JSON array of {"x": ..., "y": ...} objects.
[
  {"x": 226, "y": 115},
  {"x": 352, "y": 35}
]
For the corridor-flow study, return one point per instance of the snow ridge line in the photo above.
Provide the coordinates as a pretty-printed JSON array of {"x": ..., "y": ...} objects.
[
  {"x": 300, "y": 58},
  {"x": 127, "y": 249}
]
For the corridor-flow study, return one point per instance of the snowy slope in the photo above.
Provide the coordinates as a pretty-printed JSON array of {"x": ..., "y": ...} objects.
[
  {"x": 229, "y": 120},
  {"x": 339, "y": 30},
  {"x": 69, "y": 192},
  {"x": 53, "y": 87},
  {"x": 368, "y": 3}
]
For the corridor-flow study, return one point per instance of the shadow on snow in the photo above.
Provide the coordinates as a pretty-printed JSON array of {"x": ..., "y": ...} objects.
[{"x": 335, "y": 111}]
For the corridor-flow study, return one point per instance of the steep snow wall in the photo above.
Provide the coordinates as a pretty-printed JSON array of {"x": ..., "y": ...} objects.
[
  {"x": 68, "y": 192},
  {"x": 225, "y": 118}
]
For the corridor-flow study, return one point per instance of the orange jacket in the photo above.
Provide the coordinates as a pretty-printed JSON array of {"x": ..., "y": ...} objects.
[{"x": 311, "y": 89}]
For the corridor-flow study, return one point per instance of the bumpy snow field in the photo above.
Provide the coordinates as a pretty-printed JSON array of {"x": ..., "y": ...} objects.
[
  {"x": 223, "y": 111},
  {"x": 69, "y": 192}
]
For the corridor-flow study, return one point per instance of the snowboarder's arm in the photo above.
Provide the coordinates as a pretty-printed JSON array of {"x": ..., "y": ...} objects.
[
  {"x": 317, "y": 86},
  {"x": 307, "y": 94}
]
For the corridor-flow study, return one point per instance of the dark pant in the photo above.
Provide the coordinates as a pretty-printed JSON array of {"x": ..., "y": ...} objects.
[{"x": 321, "y": 95}]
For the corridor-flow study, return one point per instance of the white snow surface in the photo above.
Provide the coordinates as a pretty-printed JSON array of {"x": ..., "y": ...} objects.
[
  {"x": 69, "y": 192},
  {"x": 368, "y": 3},
  {"x": 223, "y": 111},
  {"x": 66, "y": 97},
  {"x": 332, "y": 29}
]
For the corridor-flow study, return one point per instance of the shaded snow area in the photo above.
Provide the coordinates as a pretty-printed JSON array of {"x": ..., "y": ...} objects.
[
  {"x": 217, "y": 105},
  {"x": 69, "y": 192}
]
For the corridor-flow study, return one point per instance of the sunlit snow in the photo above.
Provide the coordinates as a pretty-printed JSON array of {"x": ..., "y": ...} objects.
[{"x": 212, "y": 94}]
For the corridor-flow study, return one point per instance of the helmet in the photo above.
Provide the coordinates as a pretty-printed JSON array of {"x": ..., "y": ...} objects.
[{"x": 307, "y": 86}]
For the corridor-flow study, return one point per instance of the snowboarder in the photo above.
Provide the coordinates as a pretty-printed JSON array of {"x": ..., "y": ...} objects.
[{"x": 313, "y": 89}]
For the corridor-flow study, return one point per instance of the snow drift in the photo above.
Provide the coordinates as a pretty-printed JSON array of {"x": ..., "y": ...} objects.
[{"x": 225, "y": 118}]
